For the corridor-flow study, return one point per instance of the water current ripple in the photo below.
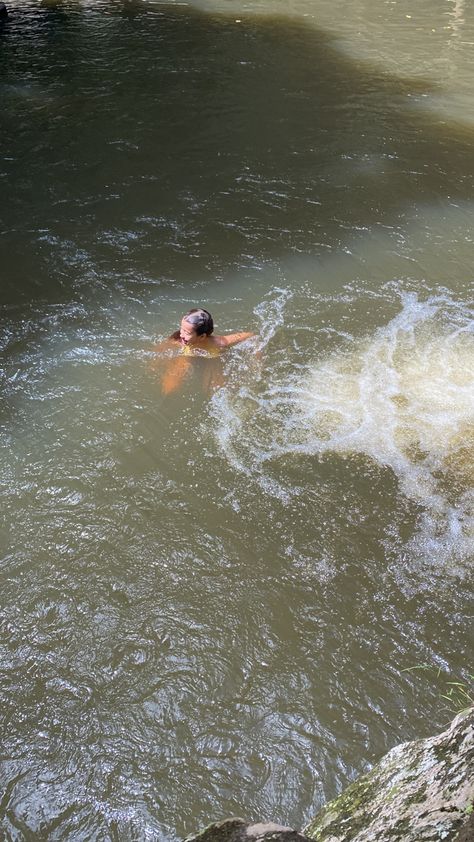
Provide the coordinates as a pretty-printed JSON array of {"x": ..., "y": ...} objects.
[{"x": 212, "y": 605}]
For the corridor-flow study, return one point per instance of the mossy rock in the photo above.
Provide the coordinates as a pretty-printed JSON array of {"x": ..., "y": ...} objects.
[
  {"x": 238, "y": 830},
  {"x": 421, "y": 791}
]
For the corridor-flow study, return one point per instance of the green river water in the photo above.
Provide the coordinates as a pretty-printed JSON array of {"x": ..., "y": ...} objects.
[{"x": 211, "y": 604}]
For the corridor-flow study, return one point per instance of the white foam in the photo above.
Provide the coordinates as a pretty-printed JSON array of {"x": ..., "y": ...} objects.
[
  {"x": 403, "y": 396},
  {"x": 271, "y": 314}
]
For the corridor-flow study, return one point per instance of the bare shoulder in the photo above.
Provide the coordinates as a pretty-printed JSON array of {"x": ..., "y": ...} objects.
[{"x": 166, "y": 345}]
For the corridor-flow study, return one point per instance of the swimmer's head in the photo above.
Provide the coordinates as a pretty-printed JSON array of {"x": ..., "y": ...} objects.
[{"x": 197, "y": 322}]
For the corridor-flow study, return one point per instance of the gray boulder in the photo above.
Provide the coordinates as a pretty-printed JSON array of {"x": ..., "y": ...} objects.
[
  {"x": 238, "y": 830},
  {"x": 421, "y": 791}
]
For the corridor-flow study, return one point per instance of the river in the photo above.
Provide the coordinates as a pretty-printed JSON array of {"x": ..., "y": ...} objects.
[{"x": 230, "y": 602}]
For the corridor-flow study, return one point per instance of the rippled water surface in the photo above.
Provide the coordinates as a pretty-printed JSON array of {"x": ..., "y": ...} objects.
[{"x": 212, "y": 601}]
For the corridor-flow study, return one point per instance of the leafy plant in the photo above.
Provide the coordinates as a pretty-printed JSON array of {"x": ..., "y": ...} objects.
[{"x": 459, "y": 694}]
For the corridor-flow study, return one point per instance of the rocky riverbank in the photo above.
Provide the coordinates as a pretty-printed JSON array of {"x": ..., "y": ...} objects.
[{"x": 421, "y": 791}]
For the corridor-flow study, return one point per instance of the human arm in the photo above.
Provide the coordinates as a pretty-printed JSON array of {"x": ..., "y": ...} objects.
[
  {"x": 234, "y": 338},
  {"x": 170, "y": 369},
  {"x": 174, "y": 374}
]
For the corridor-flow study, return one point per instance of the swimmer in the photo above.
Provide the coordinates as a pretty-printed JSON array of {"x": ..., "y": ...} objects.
[
  {"x": 196, "y": 332},
  {"x": 195, "y": 338}
]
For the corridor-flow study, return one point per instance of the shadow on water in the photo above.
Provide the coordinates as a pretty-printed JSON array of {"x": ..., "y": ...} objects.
[{"x": 143, "y": 145}]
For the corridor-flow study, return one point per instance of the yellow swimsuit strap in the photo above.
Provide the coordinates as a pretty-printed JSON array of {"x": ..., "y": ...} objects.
[{"x": 191, "y": 351}]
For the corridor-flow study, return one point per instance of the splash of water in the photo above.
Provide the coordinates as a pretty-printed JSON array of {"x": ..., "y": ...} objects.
[
  {"x": 403, "y": 397},
  {"x": 271, "y": 314}
]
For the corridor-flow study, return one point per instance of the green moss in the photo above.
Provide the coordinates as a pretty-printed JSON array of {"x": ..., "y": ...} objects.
[
  {"x": 417, "y": 798},
  {"x": 393, "y": 792},
  {"x": 401, "y": 828},
  {"x": 346, "y": 813},
  {"x": 408, "y": 775},
  {"x": 444, "y": 753}
]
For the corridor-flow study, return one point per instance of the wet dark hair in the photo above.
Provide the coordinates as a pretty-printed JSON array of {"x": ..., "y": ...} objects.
[{"x": 200, "y": 319}]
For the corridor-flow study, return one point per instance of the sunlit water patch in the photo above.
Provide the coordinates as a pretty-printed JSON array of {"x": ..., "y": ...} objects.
[{"x": 403, "y": 396}]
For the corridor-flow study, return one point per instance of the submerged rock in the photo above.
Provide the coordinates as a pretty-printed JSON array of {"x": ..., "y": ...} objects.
[
  {"x": 238, "y": 830},
  {"x": 420, "y": 791}
]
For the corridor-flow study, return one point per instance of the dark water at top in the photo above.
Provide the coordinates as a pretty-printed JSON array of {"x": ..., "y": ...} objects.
[
  {"x": 165, "y": 145},
  {"x": 210, "y": 603}
]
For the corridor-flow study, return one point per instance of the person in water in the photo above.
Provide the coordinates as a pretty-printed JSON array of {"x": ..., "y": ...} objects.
[{"x": 196, "y": 338}]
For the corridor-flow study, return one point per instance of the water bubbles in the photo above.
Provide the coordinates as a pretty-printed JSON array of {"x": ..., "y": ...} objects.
[{"x": 402, "y": 396}]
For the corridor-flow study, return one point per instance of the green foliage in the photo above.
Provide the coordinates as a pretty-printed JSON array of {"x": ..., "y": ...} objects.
[{"x": 459, "y": 694}]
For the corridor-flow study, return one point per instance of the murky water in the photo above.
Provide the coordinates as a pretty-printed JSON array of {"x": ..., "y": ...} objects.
[{"x": 210, "y": 603}]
